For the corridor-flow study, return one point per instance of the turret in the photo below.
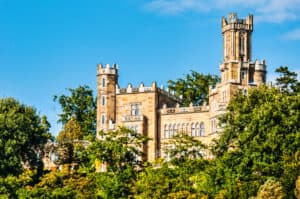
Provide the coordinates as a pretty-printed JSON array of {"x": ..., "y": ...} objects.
[
  {"x": 260, "y": 72},
  {"x": 107, "y": 81},
  {"x": 237, "y": 37}
]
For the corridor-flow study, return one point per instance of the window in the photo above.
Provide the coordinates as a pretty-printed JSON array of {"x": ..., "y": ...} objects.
[
  {"x": 197, "y": 129},
  {"x": 103, "y": 100},
  {"x": 202, "y": 129},
  {"x": 193, "y": 130},
  {"x": 135, "y": 109},
  {"x": 103, "y": 82},
  {"x": 166, "y": 132},
  {"x": 243, "y": 75},
  {"x": 102, "y": 119}
]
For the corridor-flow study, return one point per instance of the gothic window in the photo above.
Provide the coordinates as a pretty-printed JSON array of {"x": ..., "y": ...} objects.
[
  {"x": 174, "y": 130},
  {"x": 197, "y": 129},
  {"x": 135, "y": 109},
  {"x": 103, "y": 82},
  {"x": 166, "y": 130},
  {"x": 170, "y": 131},
  {"x": 213, "y": 125},
  {"x": 103, "y": 100},
  {"x": 202, "y": 129},
  {"x": 193, "y": 130}
]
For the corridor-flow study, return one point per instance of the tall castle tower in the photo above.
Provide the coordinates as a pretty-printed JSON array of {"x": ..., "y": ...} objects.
[
  {"x": 107, "y": 80},
  {"x": 237, "y": 66},
  {"x": 238, "y": 71}
]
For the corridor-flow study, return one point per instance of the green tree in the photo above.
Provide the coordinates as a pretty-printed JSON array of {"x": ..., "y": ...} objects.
[
  {"x": 193, "y": 87},
  {"x": 271, "y": 189},
  {"x": 260, "y": 131},
  {"x": 23, "y": 135},
  {"x": 183, "y": 148},
  {"x": 81, "y": 105},
  {"x": 119, "y": 149},
  {"x": 287, "y": 79}
]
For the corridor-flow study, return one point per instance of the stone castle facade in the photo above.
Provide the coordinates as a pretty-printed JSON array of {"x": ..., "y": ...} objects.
[{"x": 158, "y": 114}]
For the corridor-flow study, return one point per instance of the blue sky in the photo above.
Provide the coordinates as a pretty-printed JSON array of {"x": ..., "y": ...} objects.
[{"x": 50, "y": 45}]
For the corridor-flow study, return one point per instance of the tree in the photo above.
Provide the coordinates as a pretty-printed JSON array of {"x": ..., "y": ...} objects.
[
  {"x": 81, "y": 106},
  {"x": 182, "y": 148},
  {"x": 23, "y": 135},
  {"x": 119, "y": 149},
  {"x": 260, "y": 131},
  {"x": 287, "y": 80},
  {"x": 193, "y": 88},
  {"x": 271, "y": 189}
]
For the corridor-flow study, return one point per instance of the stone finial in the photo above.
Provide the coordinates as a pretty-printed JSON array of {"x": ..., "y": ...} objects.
[
  {"x": 154, "y": 85},
  {"x": 107, "y": 66},
  {"x": 162, "y": 87},
  {"x": 100, "y": 65},
  {"x": 177, "y": 105},
  {"x": 129, "y": 88},
  {"x": 180, "y": 96},
  {"x": 141, "y": 87},
  {"x": 164, "y": 106},
  {"x": 191, "y": 104}
]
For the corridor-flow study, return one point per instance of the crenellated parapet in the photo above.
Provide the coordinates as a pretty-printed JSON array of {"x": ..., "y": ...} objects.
[
  {"x": 146, "y": 89},
  {"x": 107, "y": 69},
  {"x": 187, "y": 109}
]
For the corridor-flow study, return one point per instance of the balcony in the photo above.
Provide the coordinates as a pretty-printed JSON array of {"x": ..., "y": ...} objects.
[{"x": 133, "y": 118}]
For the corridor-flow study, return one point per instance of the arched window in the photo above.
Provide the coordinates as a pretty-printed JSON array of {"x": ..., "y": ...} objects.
[
  {"x": 166, "y": 129},
  {"x": 174, "y": 130},
  {"x": 170, "y": 131},
  {"x": 197, "y": 129},
  {"x": 183, "y": 129},
  {"x": 202, "y": 129},
  {"x": 193, "y": 130}
]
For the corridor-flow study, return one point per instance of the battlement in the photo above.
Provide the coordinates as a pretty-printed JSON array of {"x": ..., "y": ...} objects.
[
  {"x": 188, "y": 109},
  {"x": 232, "y": 22},
  {"x": 107, "y": 70},
  {"x": 260, "y": 66},
  {"x": 146, "y": 89}
]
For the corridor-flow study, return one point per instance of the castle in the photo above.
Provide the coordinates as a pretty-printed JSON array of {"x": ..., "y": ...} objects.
[{"x": 158, "y": 114}]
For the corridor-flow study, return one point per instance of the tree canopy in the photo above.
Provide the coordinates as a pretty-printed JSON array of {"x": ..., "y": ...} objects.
[
  {"x": 23, "y": 134},
  {"x": 81, "y": 106},
  {"x": 193, "y": 88}
]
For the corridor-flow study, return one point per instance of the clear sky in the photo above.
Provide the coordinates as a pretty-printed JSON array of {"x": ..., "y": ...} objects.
[{"x": 47, "y": 46}]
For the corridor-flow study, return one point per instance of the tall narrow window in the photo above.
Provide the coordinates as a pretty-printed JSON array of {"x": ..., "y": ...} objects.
[
  {"x": 103, "y": 100},
  {"x": 202, "y": 129},
  {"x": 166, "y": 131},
  {"x": 242, "y": 45},
  {"x": 197, "y": 129},
  {"x": 103, "y": 119},
  {"x": 103, "y": 82},
  {"x": 193, "y": 130},
  {"x": 135, "y": 109}
]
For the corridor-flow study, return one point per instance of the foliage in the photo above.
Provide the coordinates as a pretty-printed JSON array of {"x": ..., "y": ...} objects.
[
  {"x": 71, "y": 132},
  {"x": 287, "y": 80},
  {"x": 183, "y": 147},
  {"x": 81, "y": 106},
  {"x": 118, "y": 149},
  {"x": 9, "y": 185},
  {"x": 271, "y": 189},
  {"x": 261, "y": 131},
  {"x": 22, "y": 137},
  {"x": 193, "y": 87}
]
